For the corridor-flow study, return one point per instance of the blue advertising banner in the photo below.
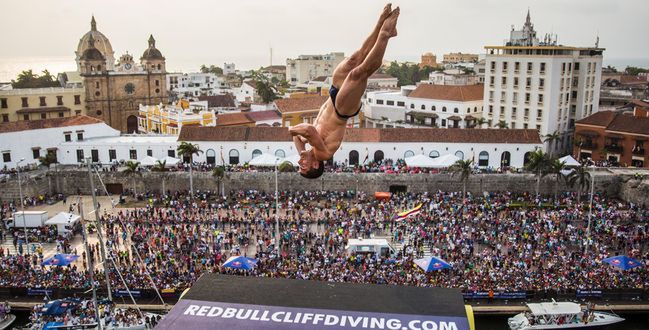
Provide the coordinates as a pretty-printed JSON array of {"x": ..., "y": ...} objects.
[
  {"x": 39, "y": 292},
  {"x": 198, "y": 314},
  {"x": 497, "y": 295},
  {"x": 124, "y": 293},
  {"x": 589, "y": 293}
]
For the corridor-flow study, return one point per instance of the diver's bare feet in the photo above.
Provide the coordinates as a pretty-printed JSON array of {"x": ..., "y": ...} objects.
[
  {"x": 389, "y": 27},
  {"x": 387, "y": 10}
]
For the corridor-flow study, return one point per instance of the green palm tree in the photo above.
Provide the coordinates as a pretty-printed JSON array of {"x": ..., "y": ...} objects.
[
  {"x": 463, "y": 168},
  {"x": 132, "y": 169},
  {"x": 538, "y": 164},
  {"x": 186, "y": 149},
  {"x": 580, "y": 177},
  {"x": 502, "y": 124},
  {"x": 480, "y": 121},
  {"x": 219, "y": 172},
  {"x": 551, "y": 139},
  {"x": 160, "y": 166},
  {"x": 556, "y": 167}
]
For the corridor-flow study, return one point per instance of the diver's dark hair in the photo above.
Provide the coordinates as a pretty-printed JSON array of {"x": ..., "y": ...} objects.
[{"x": 314, "y": 173}]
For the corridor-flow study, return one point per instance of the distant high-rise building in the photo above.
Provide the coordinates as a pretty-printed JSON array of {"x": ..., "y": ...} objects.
[
  {"x": 459, "y": 58},
  {"x": 532, "y": 83},
  {"x": 307, "y": 67}
]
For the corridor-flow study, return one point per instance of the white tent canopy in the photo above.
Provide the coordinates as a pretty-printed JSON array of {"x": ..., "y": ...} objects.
[
  {"x": 266, "y": 160},
  {"x": 420, "y": 161},
  {"x": 445, "y": 161},
  {"x": 569, "y": 161},
  {"x": 148, "y": 161},
  {"x": 170, "y": 161},
  {"x": 62, "y": 220}
]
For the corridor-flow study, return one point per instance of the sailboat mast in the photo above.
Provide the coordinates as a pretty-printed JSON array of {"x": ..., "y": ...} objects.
[
  {"x": 99, "y": 230},
  {"x": 91, "y": 264}
]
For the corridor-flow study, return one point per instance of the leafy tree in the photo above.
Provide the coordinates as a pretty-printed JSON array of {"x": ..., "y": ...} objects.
[
  {"x": 266, "y": 89},
  {"x": 186, "y": 149},
  {"x": 463, "y": 168},
  {"x": 551, "y": 139},
  {"x": 580, "y": 177},
  {"x": 502, "y": 124},
  {"x": 285, "y": 166},
  {"x": 211, "y": 69},
  {"x": 160, "y": 166},
  {"x": 48, "y": 159},
  {"x": 132, "y": 169},
  {"x": 28, "y": 79},
  {"x": 556, "y": 167},
  {"x": 408, "y": 74},
  {"x": 538, "y": 164},
  {"x": 480, "y": 121},
  {"x": 634, "y": 71}
]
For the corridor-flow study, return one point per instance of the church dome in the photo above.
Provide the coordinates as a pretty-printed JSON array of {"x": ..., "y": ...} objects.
[
  {"x": 92, "y": 54},
  {"x": 102, "y": 44},
  {"x": 152, "y": 53}
]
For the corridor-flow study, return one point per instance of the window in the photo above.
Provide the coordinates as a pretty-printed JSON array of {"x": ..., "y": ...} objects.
[
  {"x": 353, "y": 157},
  {"x": 132, "y": 154},
  {"x": 171, "y": 153},
  {"x": 79, "y": 136},
  {"x": 412, "y": 105},
  {"x": 541, "y": 83},
  {"x": 504, "y": 81},
  {"x": 576, "y": 66},
  {"x": 25, "y": 117},
  {"x": 379, "y": 101},
  {"x": 378, "y": 156},
  {"x": 528, "y": 83},
  {"x": 79, "y": 155},
  {"x": 61, "y": 115},
  {"x": 515, "y": 81},
  {"x": 280, "y": 153},
  {"x": 112, "y": 155},
  {"x": 25, "y": 103},
  {"x": 542, "y": 68},
  {"x": 42, "y": 101},
  {"x": 234, "y": 157},
  {"x": 433, "y": 108},
  {"x": 68, "y": 138},
  {"x": 517, "y": 66},
  {"x": 529, "y": 66},
  {"x": 94, "y": 154},
  {"x": 77, "y": 99},
  {"x": 157, "y": 82},
  {"x": 423, "y": 107},
  {"x": 540, "y": 98},
  {"x": 491, "y": 109},
  {"x": 493, "y": 65},
  {"x": 36, "y": 152},
  {"x": 491, "y": 80},
  {"x": 527, "y": 112},
  {"x": 459, "y": 154},
  {"x": 59, "y": 100},
  {"x": 210, "y": 156},
  {"x": 389, "y": 102},
  {"x": 483, "y": 159},
  {"x": 539, "y": 113},
  {"x": 3, "y": 103},
  {"x": 527, "y": 97},
  {"x": 525, "y": 125},
  {"x": 256, "y": 153},
  {"x": 443, "y": 109},
  {"x": 504, "y": 66},
  {"x": 149, "y": 152},
  {"x": 443, "y": 122},
  {"x": 505, "y": 159},
  {"x": 5, "y": 118},
  {"x": 456, "y": 110},
  {"x": 43, "y": 116},
  {"x": 401, "y": 103},
  {"x": 408, "y": 154},
  {"x": 433, "y": 154}
]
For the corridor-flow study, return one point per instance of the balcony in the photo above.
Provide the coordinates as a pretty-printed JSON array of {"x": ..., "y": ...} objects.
[
  {"x": 612, "y": 148},
  {"x": 638, "y": 151}
]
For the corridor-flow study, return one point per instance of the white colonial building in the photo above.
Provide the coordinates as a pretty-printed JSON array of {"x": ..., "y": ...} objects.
[
  {"x": 307, "y": 67},
  {"x": 425, "y": 106},
  {"x": 196, "y": 84},
  {"x": 539, "y": 84},
  {"x": 30, "y": 140}
]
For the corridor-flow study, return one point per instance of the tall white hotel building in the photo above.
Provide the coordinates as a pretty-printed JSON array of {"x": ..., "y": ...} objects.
[{"x": 532, "y": 83}]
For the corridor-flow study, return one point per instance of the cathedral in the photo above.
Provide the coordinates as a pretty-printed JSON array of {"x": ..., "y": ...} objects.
[{"x": 114, "y": 90}]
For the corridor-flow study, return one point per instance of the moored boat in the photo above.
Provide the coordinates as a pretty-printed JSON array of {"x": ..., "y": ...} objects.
[{"x": 560, "y": 315}]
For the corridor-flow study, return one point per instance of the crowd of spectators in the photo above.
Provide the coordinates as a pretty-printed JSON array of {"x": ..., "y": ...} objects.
[{"x": 497, "y": 241}]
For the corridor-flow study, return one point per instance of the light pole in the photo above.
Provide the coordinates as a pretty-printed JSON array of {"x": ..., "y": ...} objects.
[
  {"x": 590, "y": 209},
  {"x": 276, "y": 209},
  {"x": 22, "y": 204}
]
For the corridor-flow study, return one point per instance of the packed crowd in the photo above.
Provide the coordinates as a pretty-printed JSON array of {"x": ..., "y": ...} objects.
[{"x": 499, "y": 241}]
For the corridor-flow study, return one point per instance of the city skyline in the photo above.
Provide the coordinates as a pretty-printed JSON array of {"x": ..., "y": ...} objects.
[{"x": 243, "y": 33}]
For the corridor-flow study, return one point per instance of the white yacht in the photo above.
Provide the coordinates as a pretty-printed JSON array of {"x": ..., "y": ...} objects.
[{"x": 560, "y": 315}]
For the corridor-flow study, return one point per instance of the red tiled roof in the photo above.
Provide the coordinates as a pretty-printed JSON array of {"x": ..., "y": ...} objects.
[
  {"x": 617, "y": 122},
  {"x": 219, "y": 101},
  {"x": 232, "y": 119},
  {"x": 462, "y": 93},
  {"x": 600, "y": 118},
  {"x": 633, "y": 80},
  {"x": 251, "y": 83},
  {"x": 300, "y": 104},
  {"x": 263, "y": 115},
  {"x": 25, "y": 125},
  {"x": 404, "y": 135}
]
